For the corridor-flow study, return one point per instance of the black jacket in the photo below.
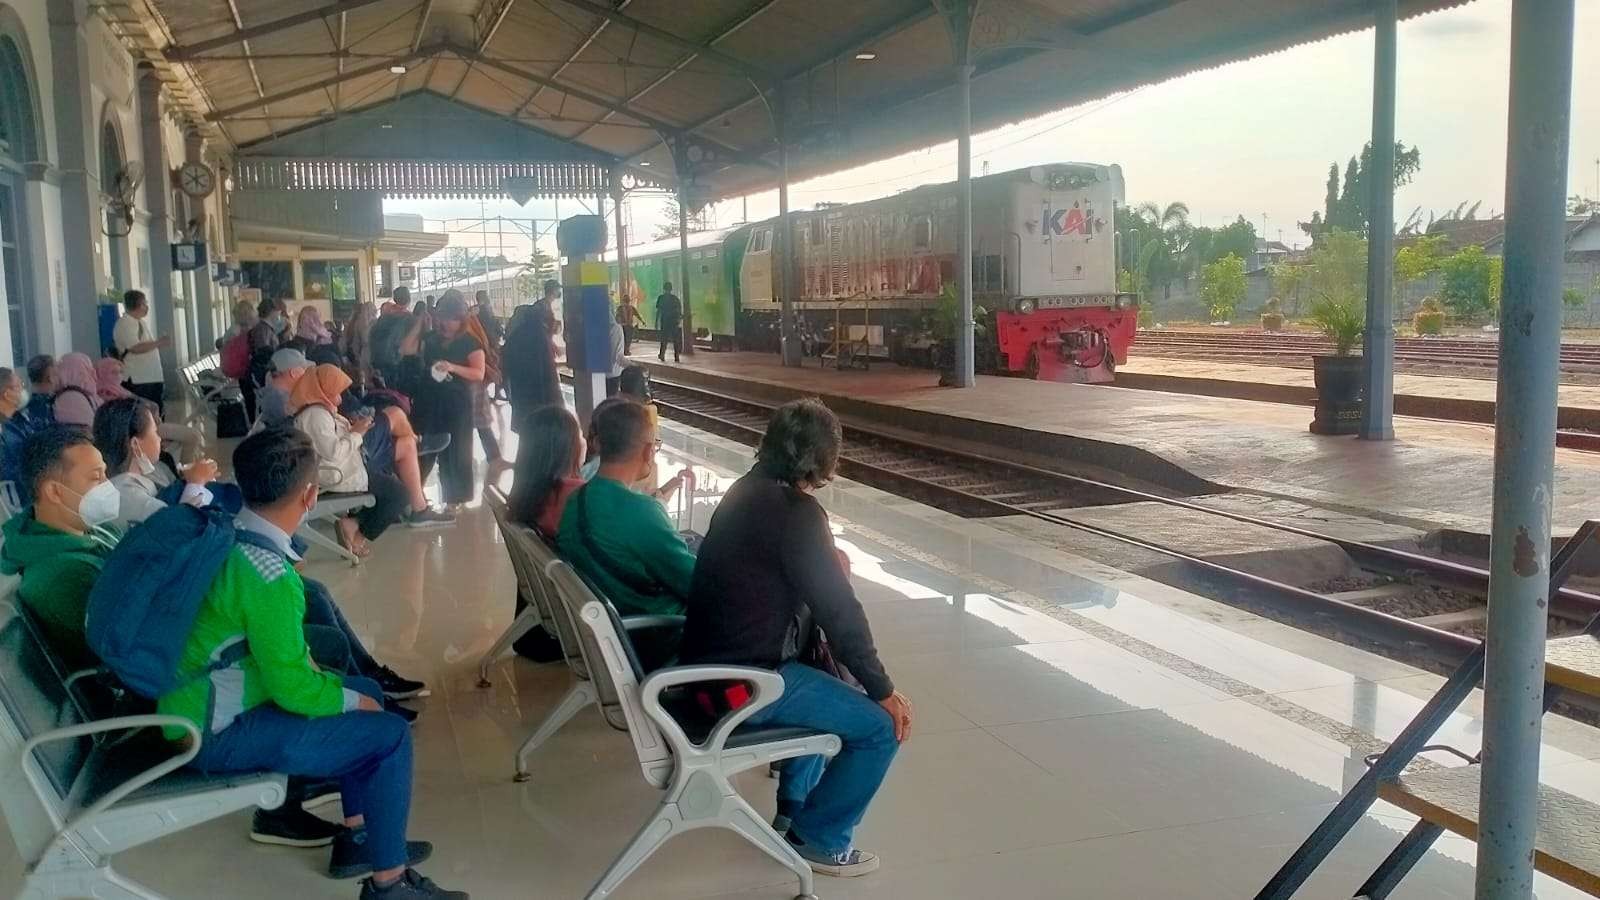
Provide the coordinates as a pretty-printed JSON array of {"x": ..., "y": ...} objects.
[{"x": 768, "y": 554}]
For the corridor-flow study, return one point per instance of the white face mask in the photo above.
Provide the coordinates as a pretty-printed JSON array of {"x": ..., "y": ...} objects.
[
  {"x": 142, "y": 464},
  {"x": 100, "y": 505}
]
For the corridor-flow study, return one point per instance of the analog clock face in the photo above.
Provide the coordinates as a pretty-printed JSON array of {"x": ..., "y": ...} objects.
[{"x": 195, "y": 179}]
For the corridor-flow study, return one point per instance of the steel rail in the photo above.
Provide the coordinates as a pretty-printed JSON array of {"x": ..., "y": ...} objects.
[{"x": 1367, "y": 555}]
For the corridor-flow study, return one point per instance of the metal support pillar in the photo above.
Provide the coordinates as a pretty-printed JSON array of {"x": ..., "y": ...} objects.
[
  {"x": 1525, "y": 431},
  {"x": 158, "y": 196},
  {"x": 1377, "y": 413},
  {"x": 788, "y": 340},
  {"x": 204, "y": 312},
  {"x": 624, "y": 275},
  {"x": 77, "y": 138},
  {"x": 965, "y": 374},
  {"x": 681, "y": 160}
]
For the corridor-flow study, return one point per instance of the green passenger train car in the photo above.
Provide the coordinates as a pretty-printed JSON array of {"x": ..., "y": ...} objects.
[{"x": 715, "y": 260}]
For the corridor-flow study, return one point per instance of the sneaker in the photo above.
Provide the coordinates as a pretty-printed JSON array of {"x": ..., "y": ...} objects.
[
  {"x": 410, "y": 886},
  {"x": 292, "y": 826},
  {"x": 410, "y": 715},
  {"x": 781, "y": 823},
  {"x": 539, "y": 645},
  {"x": 350, "y": 858},
  {"x": 428, "y": 517},
  {"x": 396, "y": 687},
  {"x": 848, "y": 863},
  {"x": 320, "y": 793}
]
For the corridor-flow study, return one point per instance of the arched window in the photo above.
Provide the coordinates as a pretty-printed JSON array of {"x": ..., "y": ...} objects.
[{"x": 18, "y": 127}]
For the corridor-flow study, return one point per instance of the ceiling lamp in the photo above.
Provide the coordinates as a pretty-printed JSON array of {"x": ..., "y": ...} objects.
[
  {"x": 866, "y": 55},
  {"x": 644, "y": 162},
  {"x": 397, "y": 70}
]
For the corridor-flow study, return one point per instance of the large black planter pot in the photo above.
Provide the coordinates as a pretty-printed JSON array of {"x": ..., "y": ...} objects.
[{"x": 1338, "y": 380}]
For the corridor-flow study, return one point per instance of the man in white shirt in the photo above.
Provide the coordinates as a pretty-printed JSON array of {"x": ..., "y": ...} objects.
[
  {"x": 140, "y": 349},
  {"x": 618, "y": 358}
]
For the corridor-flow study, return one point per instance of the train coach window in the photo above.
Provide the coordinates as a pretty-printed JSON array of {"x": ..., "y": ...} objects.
[
  {"x": 814, "y": 232},
  {"x": 922, "y": 232},
  {"x": 760, "y": 240}
]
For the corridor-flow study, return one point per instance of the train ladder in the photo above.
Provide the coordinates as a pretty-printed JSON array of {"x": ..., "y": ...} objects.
[{"x": 1389, "y": 764}]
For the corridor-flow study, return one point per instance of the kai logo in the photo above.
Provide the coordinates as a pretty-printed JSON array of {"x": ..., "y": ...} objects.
[{"x": 1077, "y": 219}]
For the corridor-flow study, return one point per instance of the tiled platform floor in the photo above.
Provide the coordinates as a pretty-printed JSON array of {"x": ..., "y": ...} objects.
[
  {"x": 1434, "y": 473},
  {"x": 1080, "y": 733}
]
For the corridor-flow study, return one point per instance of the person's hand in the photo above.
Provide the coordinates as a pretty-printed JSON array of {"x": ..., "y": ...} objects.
[
  {"x": 164, "y": 341},
  {"x": 360, "y": 424},
  {"x": 201, "y": 471},
  {"x": 899, "y": 709},
  {"x": 367, "y": 704},
  {"x": 844, "y": 561},
  {"x": 686, "y": 477}
]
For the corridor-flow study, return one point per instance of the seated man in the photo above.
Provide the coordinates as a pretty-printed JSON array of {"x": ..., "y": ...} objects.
[
  {"x": 272, "y": 709},
  {"x": 272, "y": 400},
  {"x": 617, "y": 538},
  {"x": 15, "y": 426},
  {"x": 768, "y": 559},
  {"x": 60, "y": 543},
  {"x": 42, "y": 387}
]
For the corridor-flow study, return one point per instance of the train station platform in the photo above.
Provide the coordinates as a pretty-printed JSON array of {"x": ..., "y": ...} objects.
[
  {"x": 1434, "y": 475},
  {"x": 1424, "y": 395},
  {"x": 1079, "y": 732}
]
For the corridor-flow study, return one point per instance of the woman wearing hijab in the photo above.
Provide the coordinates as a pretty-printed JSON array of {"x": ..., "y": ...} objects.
[
  {"x": 109, "y": 376},
  {"x": 77, "y": 391},
  {"x": 456, "y": 365},
  {"x": 308, "y": 325},
  {"x": 355, "y": 345},
  {"x": 109, "y": 379},
  {"x": 376, "y": 454}
]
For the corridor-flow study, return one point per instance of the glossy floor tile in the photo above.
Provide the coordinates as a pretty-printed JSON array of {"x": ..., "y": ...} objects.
[{"x": 1079, "y": 734}]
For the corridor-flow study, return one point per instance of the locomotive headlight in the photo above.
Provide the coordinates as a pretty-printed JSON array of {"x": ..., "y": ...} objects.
[
  {"x": 1024, "y": 306},
  {"x": 1127, "y": 301}
]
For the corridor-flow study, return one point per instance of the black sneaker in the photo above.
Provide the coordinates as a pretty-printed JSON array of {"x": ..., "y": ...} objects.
[
  {"x": 428, "y": 517},
  {"x": 397, "y": 688},
  {"x": 351, "y": 860},
  {"x": 292, "y": 826},
  {"x": 539, "y": 645},
  {"x": 411, "y": 886},
  {"x": 410, "y": 715}
]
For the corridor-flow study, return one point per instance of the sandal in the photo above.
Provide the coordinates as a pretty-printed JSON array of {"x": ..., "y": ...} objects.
[{"x": 349, "y": 537}]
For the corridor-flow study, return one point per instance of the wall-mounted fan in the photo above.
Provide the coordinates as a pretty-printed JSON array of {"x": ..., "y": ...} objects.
[{"x": 118, "y": 220}]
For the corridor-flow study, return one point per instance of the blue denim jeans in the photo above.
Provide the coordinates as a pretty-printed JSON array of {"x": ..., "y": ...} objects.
[
  {"x": 369, "y": 752},
  {"x": 322, "y": 610},
  {"x": 825, "y": 799}
]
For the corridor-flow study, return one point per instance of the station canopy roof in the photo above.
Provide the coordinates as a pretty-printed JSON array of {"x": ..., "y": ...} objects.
[{"x": 616, "y": 80}]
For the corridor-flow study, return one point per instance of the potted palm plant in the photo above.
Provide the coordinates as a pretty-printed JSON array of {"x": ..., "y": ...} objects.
[
  {"x": 1272, "y": 315},
  {"x": 1341, "y": 319}
]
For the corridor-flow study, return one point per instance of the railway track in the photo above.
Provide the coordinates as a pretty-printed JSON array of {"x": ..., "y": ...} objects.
[
  {"x": 1296, "y": 349},
  {"x": 1420, "y": 607}
]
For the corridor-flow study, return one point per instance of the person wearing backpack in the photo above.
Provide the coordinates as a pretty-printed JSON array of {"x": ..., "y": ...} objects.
[
  {"x": 268, "y": 708},
  {"x": 60, "y": 543}
]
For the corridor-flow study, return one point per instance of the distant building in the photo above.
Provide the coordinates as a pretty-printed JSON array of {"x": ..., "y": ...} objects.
[{"x": 1266, "y": 254}]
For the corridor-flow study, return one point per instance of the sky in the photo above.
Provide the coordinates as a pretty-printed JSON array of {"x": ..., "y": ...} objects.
[{"x": 1253, "y": 138}]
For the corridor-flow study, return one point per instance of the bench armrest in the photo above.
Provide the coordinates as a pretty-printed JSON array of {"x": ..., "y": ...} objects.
[
  {"x": 642, "y": 622},
  {"x": 158, "y": 771},
  {"x": 768, "y": 688}
]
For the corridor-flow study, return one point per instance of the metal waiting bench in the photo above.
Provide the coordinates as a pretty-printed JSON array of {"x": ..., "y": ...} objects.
[
  {"x": 329, "y": 509},
  {"x": 692, "y": 761},
  {"x": 205, "y": 385},
  {"x": 76, "y": 790},
  {"x": 1446, "y": 799}
]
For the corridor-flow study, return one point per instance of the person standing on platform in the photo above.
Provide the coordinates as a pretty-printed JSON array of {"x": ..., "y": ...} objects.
[
  {"x": 619, "y": 358},
  {"x": 627, "y": 317},
  {"x": 669, "y": 323},
  {"x": 456, "y": 364},
  {"x": 140, "y": 349}
]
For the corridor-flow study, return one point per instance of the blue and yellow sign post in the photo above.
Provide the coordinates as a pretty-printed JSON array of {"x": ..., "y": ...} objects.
[{"x": 586, "y": 308}]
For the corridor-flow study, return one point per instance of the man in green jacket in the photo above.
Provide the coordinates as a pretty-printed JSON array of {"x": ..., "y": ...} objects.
[
  {"x": 619, "y": 539},
  {"x": 59, "y": 544},
  {"x": 261, "y": 704}
]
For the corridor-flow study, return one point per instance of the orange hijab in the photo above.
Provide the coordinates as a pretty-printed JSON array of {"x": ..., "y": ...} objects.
[
  {"x": 491, "y": 357},
  {"x": 321, "y": 386}
]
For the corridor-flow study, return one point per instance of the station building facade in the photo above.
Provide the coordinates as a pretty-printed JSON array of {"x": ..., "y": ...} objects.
[{"x": 91, "y": 198}]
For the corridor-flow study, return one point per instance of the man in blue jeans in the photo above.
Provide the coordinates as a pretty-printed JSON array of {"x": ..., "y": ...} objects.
[
  {"x": 766, "y": 571},
  {"x": 248, "y": 683}
]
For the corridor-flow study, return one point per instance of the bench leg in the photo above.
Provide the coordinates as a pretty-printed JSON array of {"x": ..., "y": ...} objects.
[
  {"x": 581, "y": 694},
  {"x": 1398, "y": 863},
  {"x": 663, "y": 824},
  {"x": 520, "y": 626},
  {"x": 739, "y": 816},
  {"x": 102, "y": 883},
  {"x": 312, "y": 536}
]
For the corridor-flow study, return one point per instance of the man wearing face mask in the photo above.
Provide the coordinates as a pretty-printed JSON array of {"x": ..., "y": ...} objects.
[
  {"x": 60, "y": 543},
  {"x": 14, "y": 426}
]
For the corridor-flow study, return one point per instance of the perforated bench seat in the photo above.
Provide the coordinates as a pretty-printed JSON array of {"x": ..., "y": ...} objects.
[
  {"x": 1568, "y": 846},
  {"x": 108, "y": 769},
  {"x": 1574, "y": 663}
]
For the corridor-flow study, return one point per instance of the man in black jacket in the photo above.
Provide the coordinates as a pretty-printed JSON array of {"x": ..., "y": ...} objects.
[
  {"x": 768, "y": 562},
  {"x": 669, "y": 322}
]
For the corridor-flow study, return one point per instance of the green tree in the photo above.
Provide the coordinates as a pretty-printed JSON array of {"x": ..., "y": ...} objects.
[
  {"x": 1288, "y": 283},
  {"x": 1418, "y": 260},
  {"x": 1468, "y": 283},
  {"x": 1222, "y": 286},
  {"x": 1345, "y": 207},
  {"x": 1150, "y": 241},
  {"x": 1335, "y": 276},
  {"x": 1582, "y": 206},
  {"x": 1572, "y": 298},
  {"x": 668, "y": 226}
]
